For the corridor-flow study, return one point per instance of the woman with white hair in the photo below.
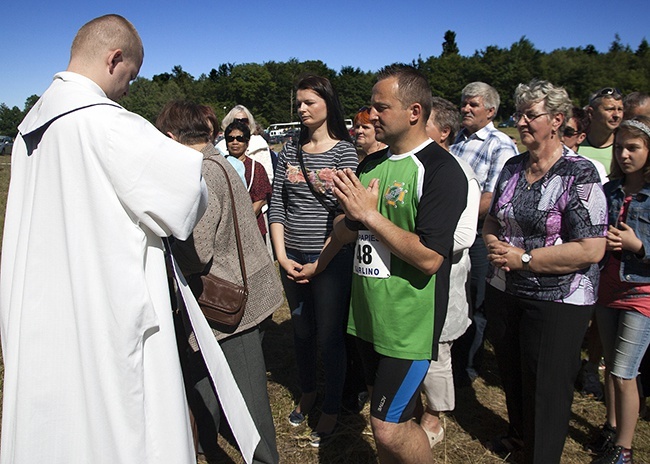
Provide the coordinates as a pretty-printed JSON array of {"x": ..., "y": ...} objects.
[
  {"x": 545, "y": 234},
  {"x": 258, "y": 149}
]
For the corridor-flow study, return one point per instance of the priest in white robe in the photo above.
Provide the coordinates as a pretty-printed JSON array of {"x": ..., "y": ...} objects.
[{"x": 91, "y": 366}]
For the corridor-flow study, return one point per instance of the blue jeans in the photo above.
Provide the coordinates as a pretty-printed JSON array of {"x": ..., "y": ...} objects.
[
  {"x": 319, "y": 314},
  {"x": 625, "y": 335}
]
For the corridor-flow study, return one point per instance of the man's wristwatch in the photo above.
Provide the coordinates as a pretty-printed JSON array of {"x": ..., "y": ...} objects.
[{"x": 525, "y": 260}]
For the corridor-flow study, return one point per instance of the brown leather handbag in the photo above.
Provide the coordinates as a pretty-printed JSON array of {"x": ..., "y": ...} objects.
[{"x": 223, "y": 302}]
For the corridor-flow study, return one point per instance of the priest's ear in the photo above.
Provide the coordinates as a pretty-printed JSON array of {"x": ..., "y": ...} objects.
[{"x": 114, "y": 58}]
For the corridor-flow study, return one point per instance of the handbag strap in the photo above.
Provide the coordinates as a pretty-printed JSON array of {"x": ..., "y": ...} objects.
[
  {"x": 319, "y": 196},
  {"x": 240, "y": 249}
]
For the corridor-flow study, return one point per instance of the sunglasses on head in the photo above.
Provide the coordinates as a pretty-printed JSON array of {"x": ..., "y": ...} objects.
[
  {"x": 607, "y": 92},
  {"x": 242, "y": 120},
  {"x": 239, "y": 138},
  {"x": 364, "y": 109}
]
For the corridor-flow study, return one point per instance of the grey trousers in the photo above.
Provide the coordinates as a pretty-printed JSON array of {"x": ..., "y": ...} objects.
[{"x": 243, "y": 352}]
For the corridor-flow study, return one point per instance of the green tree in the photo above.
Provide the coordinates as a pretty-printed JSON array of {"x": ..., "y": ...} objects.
[
  {"x": 30, "y": 102},
  {"x": 449, "y": 46},
  {"x": 642, "y": 50},
  {"x": 147, "y": 97},
  {"x": 252, "y": 84},
  {"x": 354, "y": 88},
  {"x": 9, "y": 120}
]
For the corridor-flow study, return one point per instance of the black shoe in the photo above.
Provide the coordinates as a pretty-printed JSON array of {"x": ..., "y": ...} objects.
[
  {"x": 296, "y": 418},
  {"x": 616, "y": 455},
  {"x": 604, "y": 441},
  {"x": 588, "y": 381}
]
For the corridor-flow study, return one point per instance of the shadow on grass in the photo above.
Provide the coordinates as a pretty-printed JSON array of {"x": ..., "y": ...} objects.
[{"x": 350, "y": 440}]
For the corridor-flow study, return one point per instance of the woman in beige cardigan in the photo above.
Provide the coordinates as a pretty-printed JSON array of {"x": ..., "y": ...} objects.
[{"x": 212, "y": 248}]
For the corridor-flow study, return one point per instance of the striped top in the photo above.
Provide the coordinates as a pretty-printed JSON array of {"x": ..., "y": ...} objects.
[{"x": 307, "y": 224}]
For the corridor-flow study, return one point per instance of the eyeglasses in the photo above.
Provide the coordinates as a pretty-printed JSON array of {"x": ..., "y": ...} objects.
[
  {"x": 607, "y": 92},
  {"x": 243, "y": 120},
  {"x": 239, "y": 138},
  {"x": 527, "y": 117},
  {"x": 570, "y": 132}
]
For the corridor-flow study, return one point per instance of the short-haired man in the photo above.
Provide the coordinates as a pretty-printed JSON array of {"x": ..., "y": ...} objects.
[
  {"x": 91, "y": 365},
  {"x": 485, "y": 149},
  {"x": 399, "y": 210},
  {"x": 438, "y": 386},
  {"x": 605, "y": 112},
  {"x": 635, "y": 104}
]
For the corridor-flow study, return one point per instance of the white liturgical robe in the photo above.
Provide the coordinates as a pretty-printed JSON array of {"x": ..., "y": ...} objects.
[{"x": 91, "y": 365}]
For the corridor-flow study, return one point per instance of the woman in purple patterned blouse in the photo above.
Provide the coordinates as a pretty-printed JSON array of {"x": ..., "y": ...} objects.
[{"x": 545, "y": 234}]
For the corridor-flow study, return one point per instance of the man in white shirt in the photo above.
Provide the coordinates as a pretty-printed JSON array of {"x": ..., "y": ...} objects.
[{"x": 486, "y": 149}]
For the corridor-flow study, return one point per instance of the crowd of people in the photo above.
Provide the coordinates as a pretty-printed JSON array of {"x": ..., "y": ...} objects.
[{"x": 399, "y": 252}]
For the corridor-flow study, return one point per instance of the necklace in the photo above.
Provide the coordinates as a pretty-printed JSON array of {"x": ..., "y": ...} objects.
[{"x": 532, "y": 178}]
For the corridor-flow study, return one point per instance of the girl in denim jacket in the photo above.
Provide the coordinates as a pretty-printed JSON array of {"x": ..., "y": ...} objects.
[{"x": 623, "y": 309}]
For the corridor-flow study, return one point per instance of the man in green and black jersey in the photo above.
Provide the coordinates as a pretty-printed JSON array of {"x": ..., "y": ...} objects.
[{"x": 402, "y": 208}]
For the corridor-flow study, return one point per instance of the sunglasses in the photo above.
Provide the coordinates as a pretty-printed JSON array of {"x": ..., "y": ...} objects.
[
  {"x": 570, "y": 132},
  {"x": 242, "y": 120},
  {"x": 607, "y": 92},
  {"x": 239, "y": 138},
  {"x": 364, "y": 109}
]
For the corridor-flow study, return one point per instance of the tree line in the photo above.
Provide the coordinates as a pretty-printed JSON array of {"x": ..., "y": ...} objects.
[{"x": 268, "y": 89}]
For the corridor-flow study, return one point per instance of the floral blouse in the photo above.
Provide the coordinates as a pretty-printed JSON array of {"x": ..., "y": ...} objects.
[{"x": 567, "y": 204}]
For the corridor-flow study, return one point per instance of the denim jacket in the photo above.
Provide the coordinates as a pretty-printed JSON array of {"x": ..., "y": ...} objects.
[{"x": 633, "y": 268}]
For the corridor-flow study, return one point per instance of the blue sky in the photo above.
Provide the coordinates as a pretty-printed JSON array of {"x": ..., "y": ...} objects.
[{"x": 35, "y": 36}]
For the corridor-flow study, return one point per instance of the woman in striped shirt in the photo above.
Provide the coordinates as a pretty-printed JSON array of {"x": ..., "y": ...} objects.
[{"x": 315, "y": 269}]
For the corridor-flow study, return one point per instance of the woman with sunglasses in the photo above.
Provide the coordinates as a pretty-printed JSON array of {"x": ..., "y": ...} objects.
[
  {"x": 257, "y": 149},
  {"x": 237, "y": 136},
  {"x": 545, "y": 234},
  {"x": 315, "y": 268},
  {"x": 365, "y": 134}
]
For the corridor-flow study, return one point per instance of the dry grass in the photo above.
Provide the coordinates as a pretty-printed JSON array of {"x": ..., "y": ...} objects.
[{"x": 480, "y": 415}]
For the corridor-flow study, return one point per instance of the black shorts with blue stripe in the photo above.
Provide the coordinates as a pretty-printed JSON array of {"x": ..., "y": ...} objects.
[{"x": 396, "y": 383}]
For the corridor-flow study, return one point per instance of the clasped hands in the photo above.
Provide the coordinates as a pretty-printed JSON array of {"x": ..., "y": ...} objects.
[
  {"x": 300, "y": 273},
  {"x": 623, "y": 238},
  {"x": 358, "y": 202},
  {"x": 505, "y": 256}
]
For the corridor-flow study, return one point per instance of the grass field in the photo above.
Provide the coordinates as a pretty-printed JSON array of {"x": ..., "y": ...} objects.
[
  {"x": 480, "y": 410},
  {"x": 480, "y": 415}
]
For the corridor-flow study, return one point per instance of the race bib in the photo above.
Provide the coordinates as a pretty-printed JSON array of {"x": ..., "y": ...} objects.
[{"x": 371, "y": 257}]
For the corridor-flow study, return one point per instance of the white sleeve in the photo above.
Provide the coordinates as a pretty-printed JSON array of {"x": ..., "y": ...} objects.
[
  {"x": 465, "y": 233},
  {"x": 156, "y": 179}
]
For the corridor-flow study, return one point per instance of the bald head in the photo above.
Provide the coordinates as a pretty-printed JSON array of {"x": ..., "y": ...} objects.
[
  {"x": 107, "y": 50},
  {"x": 108, "y": 32}
]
